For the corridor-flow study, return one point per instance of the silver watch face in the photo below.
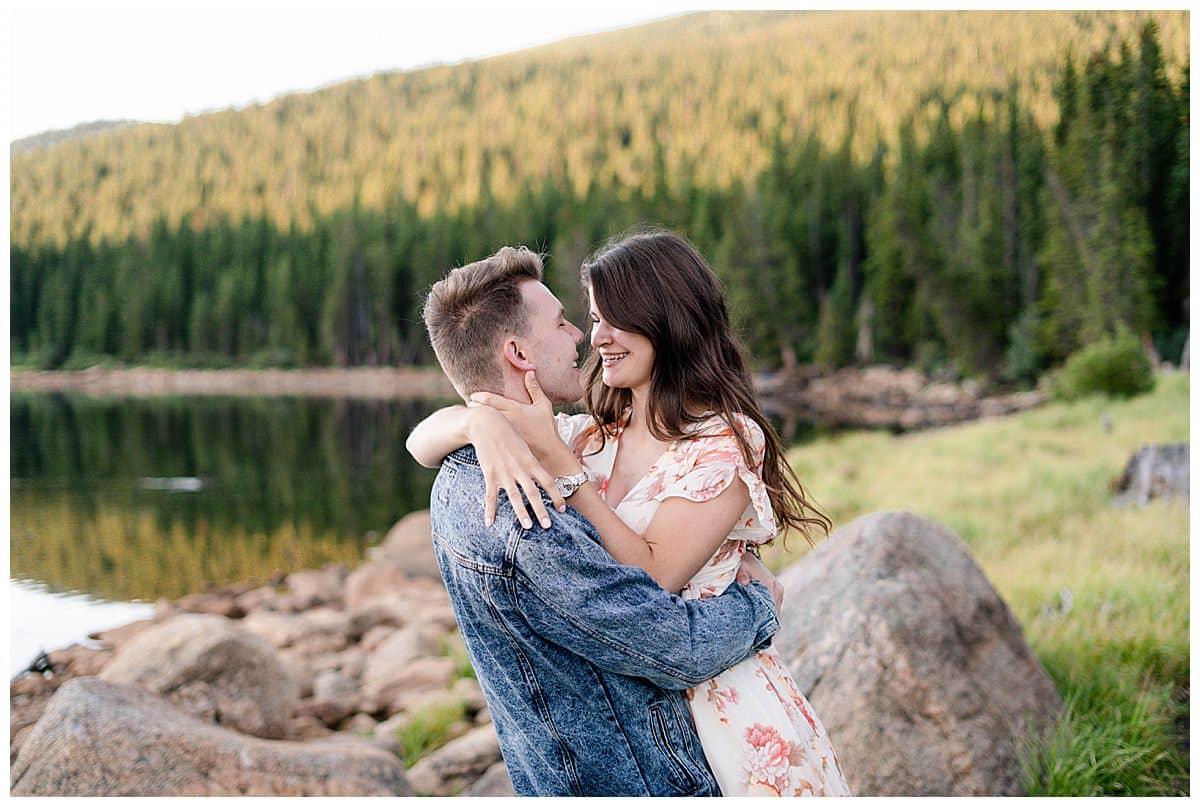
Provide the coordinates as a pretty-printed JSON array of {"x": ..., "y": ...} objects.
[{"x": 569, "y": 484}]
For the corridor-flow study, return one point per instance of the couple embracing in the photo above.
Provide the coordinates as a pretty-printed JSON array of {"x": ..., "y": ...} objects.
[{"x": 623, "y": 640}]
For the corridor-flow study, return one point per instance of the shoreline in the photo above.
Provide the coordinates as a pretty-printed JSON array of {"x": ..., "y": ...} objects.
[
  {"x": 871, "y": 397},
  {"x": 357, "y": 382}
]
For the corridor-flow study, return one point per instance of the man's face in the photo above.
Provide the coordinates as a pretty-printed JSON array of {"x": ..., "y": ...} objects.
[{"x": 551, "y": 344}]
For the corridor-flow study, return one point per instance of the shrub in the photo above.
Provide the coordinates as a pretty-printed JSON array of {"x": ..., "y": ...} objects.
[{"x": 1115, "y": 366}]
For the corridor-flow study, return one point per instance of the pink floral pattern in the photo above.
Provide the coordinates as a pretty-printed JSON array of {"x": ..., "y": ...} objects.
[{"x": 759, "y": 732}]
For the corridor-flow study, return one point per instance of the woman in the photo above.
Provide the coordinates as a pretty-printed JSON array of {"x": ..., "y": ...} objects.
[{"x": 686, "y": 475}]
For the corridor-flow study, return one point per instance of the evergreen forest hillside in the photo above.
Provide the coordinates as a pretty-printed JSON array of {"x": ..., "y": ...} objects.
[{"x": 982, "y": 191}]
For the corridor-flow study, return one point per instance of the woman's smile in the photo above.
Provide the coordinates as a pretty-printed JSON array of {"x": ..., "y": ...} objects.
[{"x": 610, "y": 359}]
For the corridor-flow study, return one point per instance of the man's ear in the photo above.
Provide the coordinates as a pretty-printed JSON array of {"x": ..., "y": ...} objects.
[{"x": 514, "y": 355}]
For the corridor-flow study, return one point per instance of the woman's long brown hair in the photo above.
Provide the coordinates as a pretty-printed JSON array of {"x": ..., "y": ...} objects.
[{"x": 654, "y": 283}]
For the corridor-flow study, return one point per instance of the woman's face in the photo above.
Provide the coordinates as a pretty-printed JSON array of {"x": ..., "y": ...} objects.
[{"x": 627, "y": 358}]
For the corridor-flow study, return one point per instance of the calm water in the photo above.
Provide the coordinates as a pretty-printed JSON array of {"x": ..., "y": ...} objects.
[{"x": 118, "y": 502}]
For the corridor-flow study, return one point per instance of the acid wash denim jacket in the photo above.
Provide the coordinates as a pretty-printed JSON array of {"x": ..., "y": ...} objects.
[{"x": 582, "y": 660}]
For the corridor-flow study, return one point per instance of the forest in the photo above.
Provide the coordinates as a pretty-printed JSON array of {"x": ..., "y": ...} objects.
[{"x": 978, "y": 193}]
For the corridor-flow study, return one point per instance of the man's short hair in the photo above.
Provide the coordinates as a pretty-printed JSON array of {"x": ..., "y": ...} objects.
[{"x": 469, "y": 310}]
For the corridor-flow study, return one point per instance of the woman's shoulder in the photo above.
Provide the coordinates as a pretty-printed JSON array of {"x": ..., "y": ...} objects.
[{"x": 716, "y": 425}]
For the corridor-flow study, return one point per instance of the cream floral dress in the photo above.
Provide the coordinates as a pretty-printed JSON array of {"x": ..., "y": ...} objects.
[{"x": 759, "y": 733}]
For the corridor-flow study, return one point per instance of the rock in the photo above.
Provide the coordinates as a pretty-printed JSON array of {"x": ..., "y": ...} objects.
[
  {"x": 916, "y": 667},
  {"x": 307, "y": 727},
  {"x": 457, "y": 729},
  {"x": 31, "y": 684},
  {"x": 437, "y": 614},
  {"x": 277, "y": 628},
  {"x": 332, "y": 684},
  {"x": 348, "y": 662},
  {"x": 1154, "y": 472},
  {"x": 457, "y": 764},
  {"x": 299, "y": 669},
  {"x": 310, "y": 633},
  {"x": 330, "y": 711},
  {"x": 16, "y": 740},
  {"x": 394, "y": 654},
  {"x": 359, "y": 724},
  {"x": 881, "y": 396},
  {"x": 494, "y": 782},
  {"x": 376, "y": 636},
  {"x": 212, "y": 669},
  {"x": 27, "y": 704},
  {"x": 387, "y": 734},
  {"x": 220, "y": 603},
  {"x": 103, "y": 739},
  {"x": 115, "y": 637},
  {"x": 379, "y": 613},
  {"x": 373, "y": 580},
  {"x": 262, "y": 598},
  {"x": 409, "y": 686},
  {"x": 321, "y": 630},
  {"x": 312, "y": 588},
  {"x": 471, "y": 693},
  {"x": 76, "y": 661},
  {"x": 409, "y": 544},
  {"x": 165, "y": 609}
]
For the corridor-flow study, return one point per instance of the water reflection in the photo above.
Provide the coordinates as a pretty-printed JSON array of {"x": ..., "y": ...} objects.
[{"x": 146, "y": 498}]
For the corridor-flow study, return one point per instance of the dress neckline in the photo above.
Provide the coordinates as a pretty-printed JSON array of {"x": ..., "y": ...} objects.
[{"x": 616, "y": 452}]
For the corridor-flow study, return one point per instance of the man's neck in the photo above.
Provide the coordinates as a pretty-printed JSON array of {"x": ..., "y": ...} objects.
[{"x": 514, "y": 388}]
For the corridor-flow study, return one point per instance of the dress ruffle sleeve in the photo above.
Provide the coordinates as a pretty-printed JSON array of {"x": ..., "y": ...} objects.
[
  {"x": 570, "y": 427},
  {"x": 704, "y": 467}
]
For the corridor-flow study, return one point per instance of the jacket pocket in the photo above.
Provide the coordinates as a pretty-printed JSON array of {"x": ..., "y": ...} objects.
[{"x": 668, "y": 736}]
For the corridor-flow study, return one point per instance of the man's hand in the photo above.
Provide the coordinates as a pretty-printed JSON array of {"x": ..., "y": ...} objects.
[{"x": 751, "y": 568}]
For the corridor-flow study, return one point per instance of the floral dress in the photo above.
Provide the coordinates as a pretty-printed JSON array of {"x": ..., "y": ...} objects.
[{"x": 759, "y": 733}]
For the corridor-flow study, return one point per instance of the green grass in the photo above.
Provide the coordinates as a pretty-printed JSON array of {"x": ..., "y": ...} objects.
[
  {"x": 428, "y": 728},
  {"x": 1029, "y": 495}
]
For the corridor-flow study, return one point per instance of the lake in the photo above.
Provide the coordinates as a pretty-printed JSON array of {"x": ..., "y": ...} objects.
[
  {"x": 124, "y": 501},
  {"x": 117, "y": 502}
]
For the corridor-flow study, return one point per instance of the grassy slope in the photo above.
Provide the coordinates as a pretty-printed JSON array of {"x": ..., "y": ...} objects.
[{"x": 1029, "y": 495}]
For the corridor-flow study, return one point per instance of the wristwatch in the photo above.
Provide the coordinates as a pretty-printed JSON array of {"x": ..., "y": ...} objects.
[{"x": 569, "y": 484}]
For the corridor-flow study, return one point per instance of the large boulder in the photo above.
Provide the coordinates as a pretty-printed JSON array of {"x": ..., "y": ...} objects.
[
  {"x": 212, "y": 669},
  {"x": 103, "y": 739},
  {"x": 1154, "y": 472},
  {"x": 409, "y": 544},
  {"x": 916, "y": 667},
  {"x": 457, "y": 764}
]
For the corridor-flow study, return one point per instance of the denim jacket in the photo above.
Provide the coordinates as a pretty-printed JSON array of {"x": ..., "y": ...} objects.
[{"x": 582, "y": 660}]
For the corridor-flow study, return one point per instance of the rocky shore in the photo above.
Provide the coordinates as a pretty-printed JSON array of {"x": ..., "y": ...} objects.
[
  {"x": 878, "y": 396},
  {"x": 881, "y": 396},
  {"x": 354, "y": 681},
  {"x": 334, "y": 666}
]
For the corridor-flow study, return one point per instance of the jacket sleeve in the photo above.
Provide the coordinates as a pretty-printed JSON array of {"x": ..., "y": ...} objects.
[{"x": 574, "y": 594}]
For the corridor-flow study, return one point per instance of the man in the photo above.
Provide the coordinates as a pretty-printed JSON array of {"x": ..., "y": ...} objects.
[{"x": 582, "y": 661}]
